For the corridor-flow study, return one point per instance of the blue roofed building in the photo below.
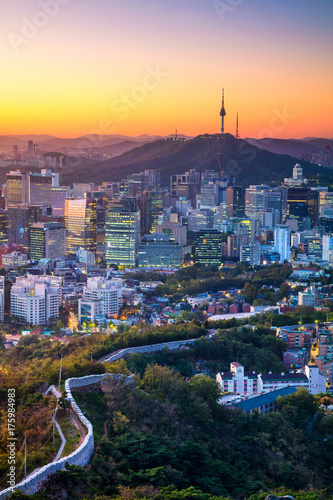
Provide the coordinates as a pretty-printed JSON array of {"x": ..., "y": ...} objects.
[{"x": 266, "y": 403}]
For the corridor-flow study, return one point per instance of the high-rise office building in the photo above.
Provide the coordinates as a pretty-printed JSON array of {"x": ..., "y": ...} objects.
[
  {"x": 282, "y": 241},
  {"x": 312, "y": 201},
  {"x": 40, "y": 185},
  {"x": 20, "y": 220},
  {"x": 254, "y": 201},
  {"x": 235, "y": 242},
  {"x": 325, "y": 203},
  {"x": 158, "y": 249},
  {"x": 303, "y": 202},
  {"x": 58, "y": 200},
  {"x": 209, "y": 190},
  {"x": 80, "y": 222},
  {"x": 327, "y": 251},
  {"x": 17, "y": 187},
  {"x": 80, "y": 188},
  {"x": 151, "y": 207},
  {"x": 250, "y": 253},
  {"x": 296, "y": 203},
  {"x": 200, "y": 219},
  {"x": 235, "y": 202},
  {"x": 3, "y": 226},
  {"x": 186, "y": 185},
  {"x": 30, "y": 148},
  {"x": 16, "y": 153},
  {"x": 122, "y": 232},
  {"x": 273, "y": 200},
  {"x": 208, "y": 247},
  {"x": 47, "y": 240},
  {"x": 271, "y": 217}
]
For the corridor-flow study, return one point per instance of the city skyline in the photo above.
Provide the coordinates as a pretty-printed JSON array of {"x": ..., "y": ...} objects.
[{"x": 76, "y": 67}]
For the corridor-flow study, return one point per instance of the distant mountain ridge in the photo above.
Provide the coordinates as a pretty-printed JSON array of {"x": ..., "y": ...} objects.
[
  {"x": 73, "y": 145},
  {"x": 118, "y": 143},
  {"x": 236, "y": 157},
  {"x": 293, "y": 147}
]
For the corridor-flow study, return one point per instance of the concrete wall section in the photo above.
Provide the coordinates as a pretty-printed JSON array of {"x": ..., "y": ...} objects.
[{"x": 80, "y": 457}]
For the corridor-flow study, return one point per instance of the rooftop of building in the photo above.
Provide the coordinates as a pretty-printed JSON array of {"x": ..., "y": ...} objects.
[
  {"x": 264, "y": 399},
  {"x": 283, "y": 376}
]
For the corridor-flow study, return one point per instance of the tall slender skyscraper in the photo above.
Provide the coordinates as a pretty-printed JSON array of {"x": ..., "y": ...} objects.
[
  {"x": 17, "y": 187},
  {"x": 122, "y": 232},
  {"x": 222, "y": 113},
  {"x": 80, "y": 222}
]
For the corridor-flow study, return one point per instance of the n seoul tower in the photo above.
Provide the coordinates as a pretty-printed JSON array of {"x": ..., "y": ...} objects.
[{"x": 222, "y": 112}]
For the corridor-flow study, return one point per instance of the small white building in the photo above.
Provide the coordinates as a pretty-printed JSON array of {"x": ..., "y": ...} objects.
[
  {"x": 14, "y": 260},
  {"x": 237, "y": 380},
  {"x": 90, "y": 311},
  {"x": 316, "y": 380},
  {"x": 241, "y": 382},
  {"x": 306, "y": 298},
  {"x": 272, "y": 381},
  {"x": 85, "y": 257},
  {"x": 109, "y": 291}
]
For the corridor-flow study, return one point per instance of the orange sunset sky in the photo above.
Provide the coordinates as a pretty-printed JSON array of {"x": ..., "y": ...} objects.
[{"x": 70, "y": 75}]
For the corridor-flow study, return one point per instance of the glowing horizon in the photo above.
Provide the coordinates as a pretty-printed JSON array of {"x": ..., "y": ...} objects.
[{"x": 74, "y": 74}]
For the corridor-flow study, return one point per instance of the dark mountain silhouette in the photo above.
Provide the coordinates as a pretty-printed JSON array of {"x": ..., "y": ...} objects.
[
  {"x": 293, "y": 147},
  {"x": 236, "y": 157}
]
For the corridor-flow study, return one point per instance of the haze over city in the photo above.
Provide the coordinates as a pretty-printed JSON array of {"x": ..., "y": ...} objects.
[{"x": 73, "y": 67}]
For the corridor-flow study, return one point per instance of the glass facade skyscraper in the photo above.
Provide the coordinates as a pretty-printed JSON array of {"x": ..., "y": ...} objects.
[
  {"x": 80, "y": 222},
  {"x": 208, "y": 247},
  {"x": 47, "y": 240},
  {"x": 122, "y": 232}
]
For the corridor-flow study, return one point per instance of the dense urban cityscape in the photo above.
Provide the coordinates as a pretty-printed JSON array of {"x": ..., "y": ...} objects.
[{"x": 166, "y": 250}]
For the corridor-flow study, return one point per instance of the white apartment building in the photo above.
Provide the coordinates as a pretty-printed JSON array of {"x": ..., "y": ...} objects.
[
  {"x": 306, "y": 298},
  {"x": 282, "y": 241},
  {"x": 239, "y": 381},
  {"x": 14, "y": 259},
  {"x": 109, "y": 291},
  {"x": 90, "y": 311},
  {"x": 34, "y": 302},
  {"x": 52, "y": 281},
  {"x": 272, "y": 381},
  {"x": 85, "y": 257},
  {"x": 317, "y": 381},
  {"x": 327, "y": 253}
]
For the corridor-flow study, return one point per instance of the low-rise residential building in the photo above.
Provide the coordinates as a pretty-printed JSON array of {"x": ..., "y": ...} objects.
[
  {"x": 325, "y": 365},
  {"x": 237, "y": 380},
  {"x": 242, "y": 382},
  {"x": 90, "y": 311},
  {"x": 306, "y": 273},
  {"x": 272, "y": 381},
  {"x": 296, "y": 339},
  {"x": 295, "y": 359},
  {"x": 109, "y": 291},
  {"x": 306, "y": 298},
  {"x": 14, "y": 259}
]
